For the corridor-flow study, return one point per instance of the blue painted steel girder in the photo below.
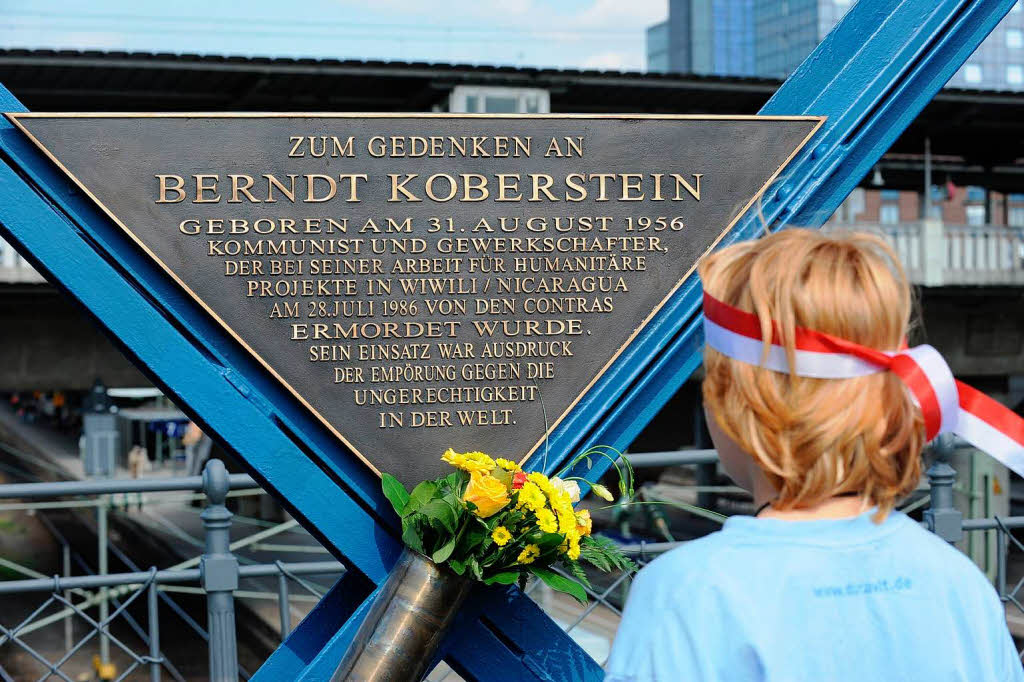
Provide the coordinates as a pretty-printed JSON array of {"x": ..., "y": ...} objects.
[{"x": 871, "y": 76}]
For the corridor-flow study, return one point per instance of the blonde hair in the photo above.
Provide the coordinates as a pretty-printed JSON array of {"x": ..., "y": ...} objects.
[{"x": 816, "y": 438}]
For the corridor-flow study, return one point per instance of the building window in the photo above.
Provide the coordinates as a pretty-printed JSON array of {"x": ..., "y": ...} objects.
[
  {"x": 889, "y": 214},
  {"x": 975, "y": 215},
  {"x": 890, "y": 195},
  {"x": 1014, "y": 74},
  {"x": 972, "y": 73},
  {"x": 975, "y": 193},
  {"x": 494, "y": 100},
  {"x": 1015, "y": 216},
  {"x": 1014, "y": 38}
]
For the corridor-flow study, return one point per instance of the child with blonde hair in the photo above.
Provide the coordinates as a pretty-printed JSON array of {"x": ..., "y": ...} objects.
[{"x": 816, "y": 406}]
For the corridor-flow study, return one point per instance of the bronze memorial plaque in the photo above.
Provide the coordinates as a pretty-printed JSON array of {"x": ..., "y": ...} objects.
[{"x": 426, "y": 281}]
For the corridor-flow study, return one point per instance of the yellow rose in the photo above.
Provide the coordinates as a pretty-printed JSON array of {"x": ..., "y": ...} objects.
[
  {"x": 488, "y": 494},
  {"x": 584, "y": 524}
]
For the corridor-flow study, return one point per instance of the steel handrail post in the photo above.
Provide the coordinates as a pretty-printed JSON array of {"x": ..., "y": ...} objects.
[
  {"x": 152, "y": 603},
  {"x": 942, "y": 517},
  {"x": 218, "y": 571}
]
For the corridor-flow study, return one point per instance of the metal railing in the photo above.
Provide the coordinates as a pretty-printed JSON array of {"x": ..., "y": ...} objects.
[
  {"x": 218, "y": 570},
  {"x": 217, "y": 573}
]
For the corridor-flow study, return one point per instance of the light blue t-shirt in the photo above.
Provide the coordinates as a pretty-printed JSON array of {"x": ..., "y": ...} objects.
[{"x": 818, "y": 601}]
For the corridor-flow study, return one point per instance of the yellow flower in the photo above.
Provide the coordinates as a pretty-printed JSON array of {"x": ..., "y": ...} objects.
[
  {"x": 546, "y": 521},
  {"x": 541, "y": 481},
  {"x": 530, "y": 497},
  {"x": 473, "y": 462},
  {"x": 571, "y": 546},
  {"x": 566, "y": 521},
  {"x": 528, "y": 554},
  {"x": 501, "y": 536},
  {"x": 506, "y": 464},
  {"x": 574, "y": 548},
  {"x": 481, "y": 458},
  {"x": 584, "y": 524},
  {"x": 488, "y": 494}
]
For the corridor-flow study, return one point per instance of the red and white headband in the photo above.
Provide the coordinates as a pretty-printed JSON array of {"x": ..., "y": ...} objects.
[{"x": 948, "y": 405}]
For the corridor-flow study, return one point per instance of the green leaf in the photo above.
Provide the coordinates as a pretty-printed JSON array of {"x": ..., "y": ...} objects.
[
  {"x": 411, "y": 535},
  {"x": 421, "y": 494},
  {"x": 560, "y": 583},
  {"x": 473, "y": 537},
  {"x": 458, "y": 566},
  {"x": 395, "y": 492},
  {"x": 441, "y": 555},
  {"x": 503, "y": 578},
  {"x": 452, "y": 481},
  {"x": 474, "y": 568},
  {"x": 604, "y": 554},
  {"x": 549, "y": 540},
  {"x": 440, "y": 513},
  {"x": 577, "y": 572}
]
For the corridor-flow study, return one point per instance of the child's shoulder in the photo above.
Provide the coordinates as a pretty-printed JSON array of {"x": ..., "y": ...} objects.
[{"x": 746, "y": 545}]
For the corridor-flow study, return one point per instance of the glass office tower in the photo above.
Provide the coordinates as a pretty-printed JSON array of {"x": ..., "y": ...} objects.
[{"x": 769, "y": 38}]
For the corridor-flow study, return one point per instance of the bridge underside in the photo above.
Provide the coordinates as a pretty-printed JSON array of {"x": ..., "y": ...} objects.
[{"x": 47, "y": 343}]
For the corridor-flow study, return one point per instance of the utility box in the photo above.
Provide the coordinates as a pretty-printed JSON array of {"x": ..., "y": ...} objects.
[{"x": 102, "y": 441}]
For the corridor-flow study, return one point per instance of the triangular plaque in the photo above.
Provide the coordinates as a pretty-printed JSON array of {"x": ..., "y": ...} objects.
[{"x": 426, "y": 281}]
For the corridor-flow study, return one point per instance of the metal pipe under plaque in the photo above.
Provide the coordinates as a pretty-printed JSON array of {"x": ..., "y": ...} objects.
[{"x": 406, "y": 623}]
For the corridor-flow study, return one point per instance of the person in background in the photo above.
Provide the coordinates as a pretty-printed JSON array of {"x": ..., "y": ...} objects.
[
  {"x": 197, "y": 449},
  {"x": 827, "y": 582},
  {"x": 138, "y": 465}
]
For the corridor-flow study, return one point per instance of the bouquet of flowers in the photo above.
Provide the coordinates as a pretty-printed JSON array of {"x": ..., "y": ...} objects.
[{"x": 492, "y": 522}]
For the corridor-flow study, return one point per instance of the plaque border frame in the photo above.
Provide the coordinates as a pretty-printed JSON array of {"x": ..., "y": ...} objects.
[{"x": 819, "y": 121}]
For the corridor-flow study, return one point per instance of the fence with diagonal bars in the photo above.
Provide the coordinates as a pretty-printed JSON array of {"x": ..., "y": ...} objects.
[{"x": 88, "y": 598}]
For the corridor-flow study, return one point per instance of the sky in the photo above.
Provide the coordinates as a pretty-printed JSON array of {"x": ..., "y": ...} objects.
[{"x": 593, "y": 34}]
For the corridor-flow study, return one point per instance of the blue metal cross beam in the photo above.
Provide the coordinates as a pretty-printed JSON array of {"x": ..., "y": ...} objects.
[{"x": 871, "y": 76}]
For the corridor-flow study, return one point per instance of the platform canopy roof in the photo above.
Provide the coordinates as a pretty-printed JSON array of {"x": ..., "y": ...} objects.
[{"x": 977, "y": 136}]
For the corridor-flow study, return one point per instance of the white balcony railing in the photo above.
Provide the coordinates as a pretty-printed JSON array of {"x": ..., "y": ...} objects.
[
  {"x": 935, "y": 254},
  {"x": 990, "y": 254}
]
